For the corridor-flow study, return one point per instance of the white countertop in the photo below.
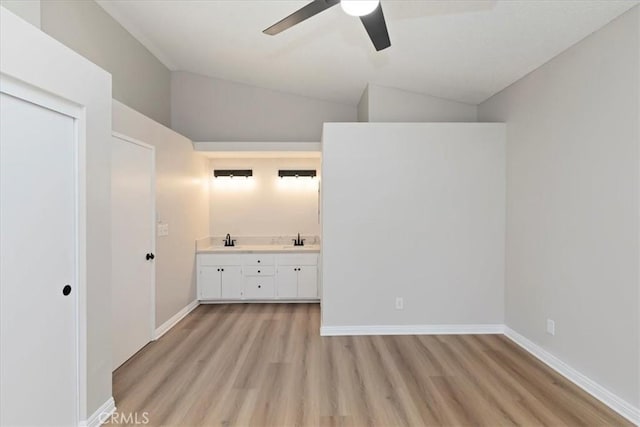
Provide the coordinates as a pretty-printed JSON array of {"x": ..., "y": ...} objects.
[{"x": 258, "y": 248}]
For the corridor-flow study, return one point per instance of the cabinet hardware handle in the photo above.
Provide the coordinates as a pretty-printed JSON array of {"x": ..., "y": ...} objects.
[
  {"x": 258, "y": 261},
  {"x": 150, "y": 256},
  {"x": 222, "y": 269},
  {"x": 66, "y": 290},
  {"x": 259, "y": 286},
  {"x": 218, "y": 269}
]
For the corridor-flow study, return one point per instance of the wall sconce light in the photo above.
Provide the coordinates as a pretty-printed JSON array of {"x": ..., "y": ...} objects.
[
  {"x": 231, "y": 173},
  {"x": 311, "y": 173}
]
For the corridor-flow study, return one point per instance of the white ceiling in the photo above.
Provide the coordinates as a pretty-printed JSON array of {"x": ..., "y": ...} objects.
[{"x": 460, "y": 50}]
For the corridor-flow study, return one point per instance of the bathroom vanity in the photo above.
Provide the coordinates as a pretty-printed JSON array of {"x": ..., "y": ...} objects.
[{"x": 255, "y": 272}]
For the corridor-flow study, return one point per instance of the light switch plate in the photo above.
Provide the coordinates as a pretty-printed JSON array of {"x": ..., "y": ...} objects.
[
  {"x": 551, "y": 327},
  {"x": 163, "y": 229}
]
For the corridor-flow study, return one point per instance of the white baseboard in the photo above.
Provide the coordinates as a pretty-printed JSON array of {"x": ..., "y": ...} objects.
[
  {"x": 166, "y": 326},
  {"x": 619, "y": 405},
  {"x": 101, "y": 415},
  {"x": 327, "y": 331}
]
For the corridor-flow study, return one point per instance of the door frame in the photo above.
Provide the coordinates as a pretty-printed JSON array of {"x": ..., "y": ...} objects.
[
  {"x": 152, "y": 285},
  {"x": 19, "y": 89}
]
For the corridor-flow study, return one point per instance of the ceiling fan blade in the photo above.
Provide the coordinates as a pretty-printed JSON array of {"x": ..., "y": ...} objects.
[
  {"x": 300, "y": 15},
  {"x": 376, "y": 26}
]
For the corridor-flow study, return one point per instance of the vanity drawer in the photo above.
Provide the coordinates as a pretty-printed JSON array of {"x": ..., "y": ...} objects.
[
  {"x": 219, "y": 259},
  {"x": 258, "y": 271},
  {"x": 259, "y": 259},
  {"x": 298, "y": 259},
  {"x": 259, "y": 287}
]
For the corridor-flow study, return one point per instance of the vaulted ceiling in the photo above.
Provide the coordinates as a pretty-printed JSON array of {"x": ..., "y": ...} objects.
[{"x": 460, "y": 50}]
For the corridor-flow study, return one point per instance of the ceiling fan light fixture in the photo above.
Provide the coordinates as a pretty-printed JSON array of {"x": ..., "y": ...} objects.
[{"x": 359, "y": 7}]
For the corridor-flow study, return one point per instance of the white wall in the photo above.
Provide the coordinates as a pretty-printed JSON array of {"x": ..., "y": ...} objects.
[
  {"x": 26, "y": 52},
  {"x": 140, "y": 80},
  {"x": 394, "y": 105},
  {"x": 181, "y": 201},
  {"x": 572, "y": 204},
  {"x": 415, "y": 211},
  {"x": 29, "y": 10},
  {"x": 264, "y": 205},
  {"x": 207, "y": 109}
]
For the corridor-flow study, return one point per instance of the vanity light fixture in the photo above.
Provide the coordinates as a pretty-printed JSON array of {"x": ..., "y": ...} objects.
[
  {"x": 311, "y": 173},
  {"x": 230, "y": 173}
]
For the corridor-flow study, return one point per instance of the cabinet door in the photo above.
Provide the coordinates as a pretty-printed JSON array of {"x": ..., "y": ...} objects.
[
  {"x": 307, "y": 282},
  {"x": 256, "y": 287},
  {"x": 287, "y": 282},
  {"x": 231, "y": 282},
  {"x": 209, "y": 282}
]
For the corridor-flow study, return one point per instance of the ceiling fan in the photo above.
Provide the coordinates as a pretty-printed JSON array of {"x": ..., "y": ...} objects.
[{"x": 369, "y": 12}]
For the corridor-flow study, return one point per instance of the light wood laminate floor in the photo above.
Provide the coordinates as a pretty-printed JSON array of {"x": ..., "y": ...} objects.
[{"x": 266, "y": 365}]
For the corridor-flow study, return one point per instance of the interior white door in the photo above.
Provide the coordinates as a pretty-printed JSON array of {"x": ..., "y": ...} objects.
[
  {"x": 38, "y": 323},
  {"x": 132, "y": 228}
]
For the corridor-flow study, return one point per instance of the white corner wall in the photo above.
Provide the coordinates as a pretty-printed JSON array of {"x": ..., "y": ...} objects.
[
  {"x": 182, "y": 201},
  {"x": 387, "y": 104},
  {"x": 413, "y": 210},
  {"x": 363, "y": 106},
  {"x": 140, "y": 80},
  {"x": 208, "y": 109},
  {"x": 573, "y": 165},
  {"x": 264, "y": 205}
]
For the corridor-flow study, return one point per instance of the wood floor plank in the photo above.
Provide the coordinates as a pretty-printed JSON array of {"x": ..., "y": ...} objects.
[{"x": 266, "y": 365}]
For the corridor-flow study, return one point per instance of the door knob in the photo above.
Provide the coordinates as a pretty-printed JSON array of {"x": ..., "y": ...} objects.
[{"x": 150, "y": 256}]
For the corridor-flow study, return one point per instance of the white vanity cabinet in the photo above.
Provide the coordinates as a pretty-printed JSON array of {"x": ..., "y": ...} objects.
[
  {"x": 297, "y": 276},
  {"x": 219, "y": 277},
  {"x": 257, "y": 276},
  {"x": 222, "y": 281}
]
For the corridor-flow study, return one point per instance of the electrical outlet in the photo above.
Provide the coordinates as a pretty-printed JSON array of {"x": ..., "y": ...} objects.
[
  {"x": 399, "y": 303},
  {"x": 551, "y": 327}
]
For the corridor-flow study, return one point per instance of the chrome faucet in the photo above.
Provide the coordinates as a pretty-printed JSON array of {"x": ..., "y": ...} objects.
[
  {"x": 228, "y": 241},
  {"x": 298, "y": 241}
]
